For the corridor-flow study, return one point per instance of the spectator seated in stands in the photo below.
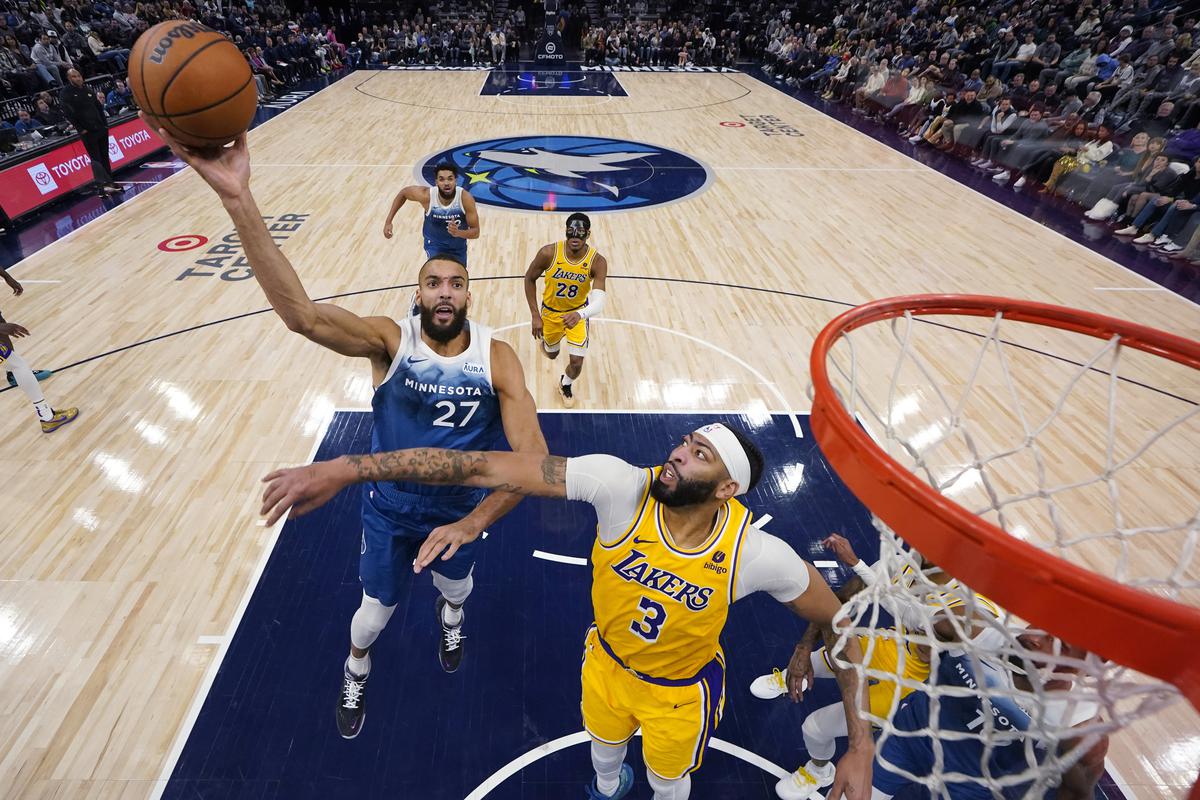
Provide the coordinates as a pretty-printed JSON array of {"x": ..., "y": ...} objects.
[
  {"x": 25, "y": 124},
  {"x": 1171, "y": 210},
  {"x": 1086, "y": 158},
  {"x": 119, "y": 98}
]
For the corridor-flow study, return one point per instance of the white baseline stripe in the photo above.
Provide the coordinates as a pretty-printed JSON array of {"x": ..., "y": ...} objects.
[
  {"x": 582, "y": 562},
  {"x": 189, "y": 721},
  {"x": 825, "y": 564},
  {"x": 763, "y": 520},
  {"x": 538, "y": 753},
  {"x": 28, "y": 280},
  {"x": 1130, "y": 289}
]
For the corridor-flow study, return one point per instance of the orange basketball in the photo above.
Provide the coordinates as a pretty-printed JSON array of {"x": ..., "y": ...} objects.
[{"x": 193, "y": 81}]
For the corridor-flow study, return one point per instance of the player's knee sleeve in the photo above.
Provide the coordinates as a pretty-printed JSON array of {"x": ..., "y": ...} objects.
[
  {"x": 370, "y": 619},
  {"x": 821, "y": 729},
  {"x": 678, "y": 789},
  {"x": 456, "y": 592},
  {"x": 607, "y": 759},
  {"x": 23, "y": 375}
]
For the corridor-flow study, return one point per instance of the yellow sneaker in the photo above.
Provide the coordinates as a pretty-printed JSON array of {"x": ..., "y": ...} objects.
[
  {"x": 59, "y": 419},
  {"x": 768, "y": 687},
  {"x": 805, "y": 783}
]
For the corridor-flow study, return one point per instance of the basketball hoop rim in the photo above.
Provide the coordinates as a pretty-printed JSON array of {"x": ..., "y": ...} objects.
[{"x": 1151, "y": 634}]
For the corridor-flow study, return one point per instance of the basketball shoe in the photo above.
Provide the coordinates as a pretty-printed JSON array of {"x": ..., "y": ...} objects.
[
  {"x": 805, "y": 783},
  {"x": 768, "y": 687},
  {"x": 352, "y": 704},
  {"x": 450, "y": 648},
  {"x": 568, "y": 397},
  {"x": 623, "y": 786},
  {"x": 60, "y": 418}
]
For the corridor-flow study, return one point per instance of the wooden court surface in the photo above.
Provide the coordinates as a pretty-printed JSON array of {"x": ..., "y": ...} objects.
[{"x": 129, "y": 539}]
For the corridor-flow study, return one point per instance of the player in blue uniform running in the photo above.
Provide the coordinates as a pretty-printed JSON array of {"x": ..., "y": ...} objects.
[
  {"x": 450, "y": 214},
  {"x": 440, "y": 381}
]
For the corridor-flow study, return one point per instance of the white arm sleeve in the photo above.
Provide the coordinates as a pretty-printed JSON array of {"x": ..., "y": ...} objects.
[
  {"x": 770, "y": 565},
  {"x": 612, "y": 486},
  {"x": 595, "y": 304},
  {"x": 864, "y": 572}
]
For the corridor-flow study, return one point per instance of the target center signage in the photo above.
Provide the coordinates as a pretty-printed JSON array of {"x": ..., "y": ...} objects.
[{"x": 40, "y": 179}]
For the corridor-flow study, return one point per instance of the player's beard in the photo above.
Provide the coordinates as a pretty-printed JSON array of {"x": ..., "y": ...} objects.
[
  {"x": 684, "y": 493},
  {"x": 442, "y": 333},
  {"x": 445, "y": 198}
]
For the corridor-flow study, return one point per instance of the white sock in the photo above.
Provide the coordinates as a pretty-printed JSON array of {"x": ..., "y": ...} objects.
[
  {"x": 567, "y": 380},
  {"x": 360, "y": 667},
  {"x": 29, "y": 384},
  {"x": 607, "y": 760},
  {"x": 452, "y": 617}
]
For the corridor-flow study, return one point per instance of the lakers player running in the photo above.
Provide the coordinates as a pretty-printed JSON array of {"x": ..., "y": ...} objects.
[
  {"x": 451, "y": 217},
  {"x": 574, "y": 292},
  {"x": 674, "y": 548},
  {"x": 440, "y": 380},
  {"x": 824, "y": 726}
]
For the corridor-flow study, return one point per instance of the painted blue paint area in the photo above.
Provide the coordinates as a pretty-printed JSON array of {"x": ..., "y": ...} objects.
[
  {"x": 267, "y": 729},
  {"x": 1062, "y": 216},
  {"x": 75, "y": 210},
  {"x": 553, "y": 83}
]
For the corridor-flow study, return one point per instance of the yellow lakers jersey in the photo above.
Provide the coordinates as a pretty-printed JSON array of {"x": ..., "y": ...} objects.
[
  {"x": 659, "y": 608},
  {"x": 568, "y": 282}
]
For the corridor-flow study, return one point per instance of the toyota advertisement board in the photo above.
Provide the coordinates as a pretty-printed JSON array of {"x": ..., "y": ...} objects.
[{"x": 43, "y": 178}]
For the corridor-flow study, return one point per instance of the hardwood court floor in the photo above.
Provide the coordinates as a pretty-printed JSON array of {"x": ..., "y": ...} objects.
[{"x": 129, "y": 539}]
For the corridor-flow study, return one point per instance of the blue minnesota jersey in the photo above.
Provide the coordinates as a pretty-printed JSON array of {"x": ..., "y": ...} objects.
[
  {"x": 428, "y": 400},
  {"x": 437, "y": 238},
  {"x": 1002, "y": 743}
]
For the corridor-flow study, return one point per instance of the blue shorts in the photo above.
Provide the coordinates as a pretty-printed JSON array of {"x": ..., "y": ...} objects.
[
  {"x": 433, "y": 248},
  {"x": 395, "y": 524},
  {"x": 915, "y": 754}
]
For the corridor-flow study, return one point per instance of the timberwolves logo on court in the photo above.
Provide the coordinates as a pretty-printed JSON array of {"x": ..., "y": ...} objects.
[{"x": 572, "y": 173}]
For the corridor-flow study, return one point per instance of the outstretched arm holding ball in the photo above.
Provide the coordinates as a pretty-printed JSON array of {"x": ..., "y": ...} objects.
[{"x": 227, "y": 171}]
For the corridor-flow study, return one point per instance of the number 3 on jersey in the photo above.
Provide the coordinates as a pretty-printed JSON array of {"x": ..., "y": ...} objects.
[
  {"x": 648, "y": 627},
  {"x": 449, "y": 408}
]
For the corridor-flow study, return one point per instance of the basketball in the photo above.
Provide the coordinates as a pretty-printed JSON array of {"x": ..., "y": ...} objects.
[{"x": 193, "y": 81}]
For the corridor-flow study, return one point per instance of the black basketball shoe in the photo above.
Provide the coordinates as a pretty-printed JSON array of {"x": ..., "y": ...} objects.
[
  {"x": 450, "y": 648},
  {"x": 352, "y": 704},
  {"x": 568, "y": 397}
]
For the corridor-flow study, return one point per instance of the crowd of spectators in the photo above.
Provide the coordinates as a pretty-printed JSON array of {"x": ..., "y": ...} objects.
[
  {"x": 40, "y": 42},
  {"x": 1096, "y": 103}
]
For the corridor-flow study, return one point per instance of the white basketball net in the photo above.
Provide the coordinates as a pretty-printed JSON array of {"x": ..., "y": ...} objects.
[{"x": 1076, "y": 458}]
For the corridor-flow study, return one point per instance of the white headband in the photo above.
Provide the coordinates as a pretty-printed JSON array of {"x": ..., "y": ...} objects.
[{"x": 732, "y": 454}]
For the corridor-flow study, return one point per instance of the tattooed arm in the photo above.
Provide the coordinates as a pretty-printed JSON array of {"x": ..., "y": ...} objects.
[
  {"x": 818, "y": 605},
  {"x": 303, "y": 489}
]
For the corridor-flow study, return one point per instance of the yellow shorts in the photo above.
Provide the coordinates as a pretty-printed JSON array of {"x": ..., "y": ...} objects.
[
  {"x": 676, "y": 721},
  {"x": 883, "y": 656},
  {"x": 553, "y": 330}
]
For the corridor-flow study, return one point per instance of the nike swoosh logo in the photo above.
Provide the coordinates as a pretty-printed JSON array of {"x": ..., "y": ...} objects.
[
  {"x": 415, "y": 360},
  {"x": 642, "y": 541},
  {"x": 681, "y": 705}
]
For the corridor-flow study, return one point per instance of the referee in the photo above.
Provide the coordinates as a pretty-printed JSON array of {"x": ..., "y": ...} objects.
[{"x": 83, "y": 110}]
